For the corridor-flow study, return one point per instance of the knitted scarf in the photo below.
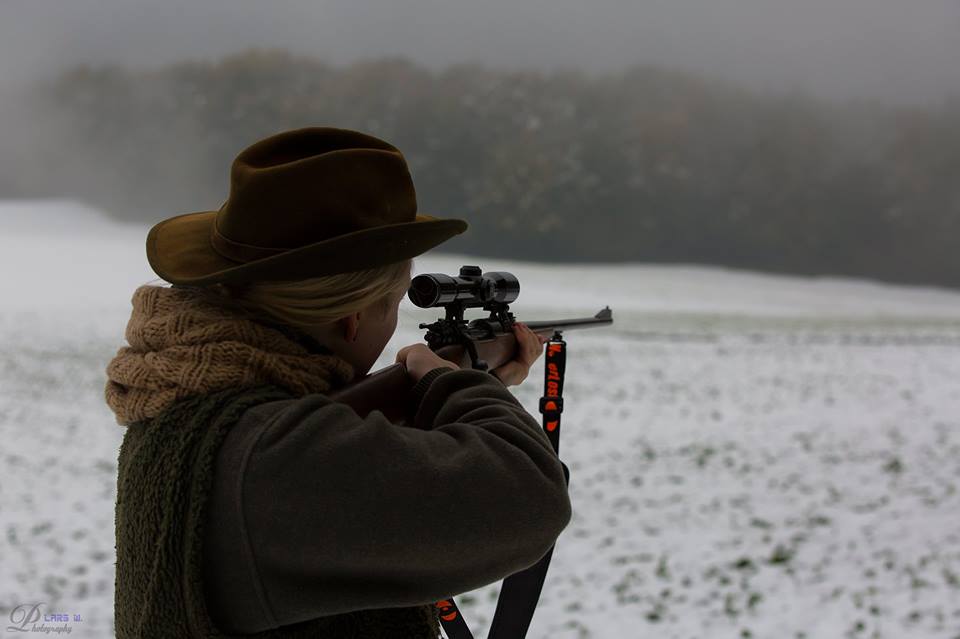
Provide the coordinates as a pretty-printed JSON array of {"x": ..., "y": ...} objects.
[{"x": 181, "y": 345}]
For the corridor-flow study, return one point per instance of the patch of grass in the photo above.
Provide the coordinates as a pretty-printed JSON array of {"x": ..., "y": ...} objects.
[
  {"x": 656, "y": 614},
  {"x": 704, "y": 455},
  {"x": 728, "y": 608},
  {"x": 744, "y": 563},
  {"x": 819, "y": 520},
  {"x": 662, "y": 571},
  {"x": 781, "y": 555},
  {"x": 951, "y": 578},
  {"x": 894, "y": 466}
]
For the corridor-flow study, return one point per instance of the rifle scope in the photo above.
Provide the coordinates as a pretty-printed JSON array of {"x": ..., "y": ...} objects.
[{"x": 468, "y": 289}]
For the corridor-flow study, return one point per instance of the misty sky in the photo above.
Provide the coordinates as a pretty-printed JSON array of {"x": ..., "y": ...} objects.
[{"x": 896, "y": 50}]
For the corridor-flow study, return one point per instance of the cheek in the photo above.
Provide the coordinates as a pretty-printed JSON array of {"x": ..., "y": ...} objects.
[
  {"x": 388, "y": 326},
  {"x": 389, "y": 329}
]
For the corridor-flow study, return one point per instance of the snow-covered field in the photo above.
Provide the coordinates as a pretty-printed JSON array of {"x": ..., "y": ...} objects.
[{"x": 751, "y": 455}]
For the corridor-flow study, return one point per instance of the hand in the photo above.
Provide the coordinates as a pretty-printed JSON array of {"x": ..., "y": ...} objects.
[
  {"x": 529, "y": 348},
  {"x": 420, "y": 360}
]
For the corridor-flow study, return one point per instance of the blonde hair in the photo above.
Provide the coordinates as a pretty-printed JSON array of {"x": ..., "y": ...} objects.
[{"x": 311, "y": 302}]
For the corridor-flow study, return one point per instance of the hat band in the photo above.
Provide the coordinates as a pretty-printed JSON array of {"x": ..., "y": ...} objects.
[{"x": 238, "y": 251}]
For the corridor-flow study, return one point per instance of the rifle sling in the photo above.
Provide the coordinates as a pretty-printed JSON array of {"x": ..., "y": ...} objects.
[{"x": 521, "y": 591}]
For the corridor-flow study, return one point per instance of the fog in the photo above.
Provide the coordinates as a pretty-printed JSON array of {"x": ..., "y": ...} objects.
[
  {"x": 812, "y": 137},
  {"x": 890, "y": 50}
]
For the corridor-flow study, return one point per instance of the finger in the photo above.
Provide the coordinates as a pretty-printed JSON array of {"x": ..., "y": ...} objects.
[
  {"x": 531, "y": 352},
  {"x": 530, "y": 338},
  {"x": 520, "y": 332},
  {"x": 534, "y": 339},
  {"x": 529, "y": 345},
  {"x": 539, "y": 337},
  {"x": 535, "y": 353}
]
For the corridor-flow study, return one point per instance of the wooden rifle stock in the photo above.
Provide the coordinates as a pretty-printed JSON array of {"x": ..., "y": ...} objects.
[{"x": 388, "y": 389}]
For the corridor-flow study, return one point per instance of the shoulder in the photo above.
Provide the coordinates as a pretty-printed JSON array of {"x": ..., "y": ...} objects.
[
  {"x": 262, "y": 418},
  {"x": 274, "y": 409}
]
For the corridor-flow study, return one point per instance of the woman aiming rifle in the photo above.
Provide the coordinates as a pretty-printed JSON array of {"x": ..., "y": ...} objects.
[{"x": 251, "y": 504}]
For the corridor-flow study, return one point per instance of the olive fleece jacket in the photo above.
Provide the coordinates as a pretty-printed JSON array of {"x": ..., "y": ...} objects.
[{"x": 315, "y": 511}]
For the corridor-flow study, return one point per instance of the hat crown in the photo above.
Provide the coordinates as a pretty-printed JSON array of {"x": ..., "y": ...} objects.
[{"x": 308, "y": 185}]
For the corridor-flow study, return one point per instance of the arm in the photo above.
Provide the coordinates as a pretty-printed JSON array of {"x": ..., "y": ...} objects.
[{"x": 346, "y": 513}]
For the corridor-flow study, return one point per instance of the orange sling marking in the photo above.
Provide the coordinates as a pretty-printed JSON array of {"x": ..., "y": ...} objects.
[{"x": 444, "y": 605}]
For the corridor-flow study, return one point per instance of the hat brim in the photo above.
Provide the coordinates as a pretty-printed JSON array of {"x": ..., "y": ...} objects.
[{"x": 180, "y": 252}]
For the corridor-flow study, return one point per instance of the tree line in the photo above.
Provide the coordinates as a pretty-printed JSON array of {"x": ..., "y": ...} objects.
[{"x": 646, "y": 164}]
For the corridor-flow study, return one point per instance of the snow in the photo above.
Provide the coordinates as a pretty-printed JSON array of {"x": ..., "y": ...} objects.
[{"x": 751, "y": 455}]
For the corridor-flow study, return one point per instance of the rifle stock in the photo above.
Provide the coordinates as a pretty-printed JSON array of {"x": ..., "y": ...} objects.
[{"x": 388, "y": 389}]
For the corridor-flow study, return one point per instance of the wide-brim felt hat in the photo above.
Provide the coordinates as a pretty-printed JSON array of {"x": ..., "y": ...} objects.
[{"x": 302, "y": 203}]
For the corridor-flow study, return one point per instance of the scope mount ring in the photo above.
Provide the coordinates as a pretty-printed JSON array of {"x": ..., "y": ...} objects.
[{"x": 450, "y": 329}]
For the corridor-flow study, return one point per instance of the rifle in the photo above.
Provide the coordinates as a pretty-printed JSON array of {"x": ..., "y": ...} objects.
[{"x": 482, "y": 344}]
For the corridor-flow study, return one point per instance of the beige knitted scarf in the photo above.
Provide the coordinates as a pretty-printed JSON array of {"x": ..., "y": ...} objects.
[{"x": 181, "y": 345}]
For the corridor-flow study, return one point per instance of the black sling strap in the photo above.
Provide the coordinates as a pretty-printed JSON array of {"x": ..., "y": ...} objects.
[{"x": 521, "y": 591}]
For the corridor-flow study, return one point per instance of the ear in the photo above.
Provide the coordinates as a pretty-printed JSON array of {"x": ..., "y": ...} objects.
[{"x": 350, "y": 326}]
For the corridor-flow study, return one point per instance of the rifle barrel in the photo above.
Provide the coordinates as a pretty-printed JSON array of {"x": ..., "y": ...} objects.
[{"x": 604, "y": 316}]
